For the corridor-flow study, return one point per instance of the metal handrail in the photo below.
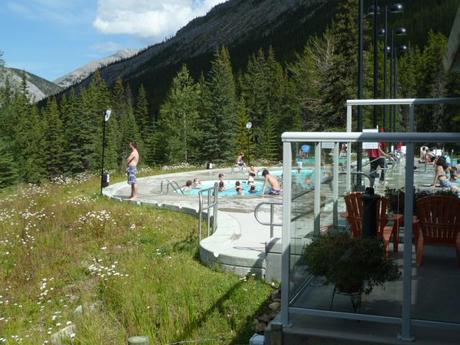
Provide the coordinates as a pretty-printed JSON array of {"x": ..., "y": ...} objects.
[
  {"x": 272, "y": 204},
  {"x": 272, "y": 214},
  {"x": 173, "y": 184},
  {"x": 371, "y": 179},
  {"x": 212, "y": 204}
]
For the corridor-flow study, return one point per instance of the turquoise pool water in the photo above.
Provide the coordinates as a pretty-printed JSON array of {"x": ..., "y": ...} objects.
[
  {"x": 295, "y": 173},
  {"x": 229, "y": 188}
]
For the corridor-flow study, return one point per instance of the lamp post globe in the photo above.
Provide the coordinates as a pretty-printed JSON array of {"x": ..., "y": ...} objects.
[
  {"x": 397, "y": 8},
  {"x": 248, "y": 127}
]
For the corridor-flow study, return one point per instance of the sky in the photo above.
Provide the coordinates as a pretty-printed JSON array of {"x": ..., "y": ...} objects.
[{"x": 51, "y": 38}]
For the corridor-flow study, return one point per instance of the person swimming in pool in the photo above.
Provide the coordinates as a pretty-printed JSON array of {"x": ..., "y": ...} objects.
[
  {"x": 275, "y": 188},
  {"x": 196, "y": 184},
  {"x": 239, "y": 188},
  {"x": 221, "y": 182}
]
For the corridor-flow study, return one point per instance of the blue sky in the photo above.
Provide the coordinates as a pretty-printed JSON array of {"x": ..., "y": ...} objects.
[{"x": 51, "y": 38}]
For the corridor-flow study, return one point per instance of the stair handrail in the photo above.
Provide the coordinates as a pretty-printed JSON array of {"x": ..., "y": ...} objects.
[{"x": 212, "y": 204}]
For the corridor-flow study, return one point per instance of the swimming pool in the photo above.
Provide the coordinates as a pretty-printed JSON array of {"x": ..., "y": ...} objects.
[{"x": 229, "y": 188}]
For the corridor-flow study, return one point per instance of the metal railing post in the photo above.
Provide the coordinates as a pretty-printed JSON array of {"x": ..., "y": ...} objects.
[
  {"x": 271, "y": 219},
  {"x": 349, "y": 123},
  {"x": 317, "y": 196},
  {"x": 407, "y": 259},
  {"x": 335, "y": 185},
  {"x": 286, "y": 233}
]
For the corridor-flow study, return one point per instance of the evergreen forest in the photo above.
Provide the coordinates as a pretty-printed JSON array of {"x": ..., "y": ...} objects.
[{"x": 205, "y": 119}]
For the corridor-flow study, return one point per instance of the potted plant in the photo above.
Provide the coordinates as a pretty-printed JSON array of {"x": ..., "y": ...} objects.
[{"x": 353, "y": 265}]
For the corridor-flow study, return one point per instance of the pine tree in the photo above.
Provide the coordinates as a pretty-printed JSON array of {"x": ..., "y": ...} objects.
[
  {"x": 339, "y": 78},
  {"x": 128, "y": 130},
  {"x": 220, "y": 114},
  {"x": 94, "y": 102},
  {"x": 178, "y": 118},
  {"x": 8, "y": 171},
  {"x": 31, "y": 144},
  {"x": 244, "y": 140},
  {"x": 54, "y": 140},
  {"x": 306, "y": 73},
  {"x": 145, "y": 123},
  {"x": 267, "y": 147}
]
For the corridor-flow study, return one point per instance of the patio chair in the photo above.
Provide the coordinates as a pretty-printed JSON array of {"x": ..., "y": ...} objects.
[
  {"x": 438, "y": 224},
  {"x": 354, "y": 217}
]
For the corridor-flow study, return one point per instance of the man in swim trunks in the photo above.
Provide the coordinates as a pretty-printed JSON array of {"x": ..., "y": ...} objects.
[
  {"x": 132, "y": 160},
  {"x": 275, "y": 188}
]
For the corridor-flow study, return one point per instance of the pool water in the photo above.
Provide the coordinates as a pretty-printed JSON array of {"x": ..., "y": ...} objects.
[{"x": 229, "y": 188}]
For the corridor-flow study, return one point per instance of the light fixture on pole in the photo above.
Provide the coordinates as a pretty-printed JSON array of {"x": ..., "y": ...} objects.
[
  {"x": 393, "y": 73},
  {"x": 398, "y": 52},
  {"x": 104, "y": 177},
  {"x": 248, "y": 127},
  {"x": 393, "y": 9}
]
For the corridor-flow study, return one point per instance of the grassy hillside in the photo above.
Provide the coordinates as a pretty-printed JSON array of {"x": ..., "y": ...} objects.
[{"x": 134, "y": 271}]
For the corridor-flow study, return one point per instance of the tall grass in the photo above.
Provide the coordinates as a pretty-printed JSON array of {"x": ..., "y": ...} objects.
[{"x": 133, "y": 269}]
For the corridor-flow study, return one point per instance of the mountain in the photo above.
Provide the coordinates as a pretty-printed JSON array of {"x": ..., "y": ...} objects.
[
  {"x": 82, "y": 72},
  {"x": 37, "y": 87},
  {"x": 244, "y": 26}
]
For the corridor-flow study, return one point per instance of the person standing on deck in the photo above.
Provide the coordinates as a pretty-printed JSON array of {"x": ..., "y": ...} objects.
[{"x": 132, "y": 160}]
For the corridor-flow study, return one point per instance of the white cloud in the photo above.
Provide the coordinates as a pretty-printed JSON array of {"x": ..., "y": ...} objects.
[{"x": 154, "y": 19}]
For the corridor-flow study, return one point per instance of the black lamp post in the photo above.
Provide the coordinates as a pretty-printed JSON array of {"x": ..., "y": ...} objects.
[
  {"x": 393, "y": 9},
  {"x": 401, "y": 49},
  {"x": 248, "y": 127},
  {"x": 105, "y": 118},
  {"x": 374, "y": 10},
  {"x": 359, "y": 165},
  {"x": 394, "y": 72}
]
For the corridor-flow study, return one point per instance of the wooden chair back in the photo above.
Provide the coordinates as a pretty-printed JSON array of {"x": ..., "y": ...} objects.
[
  {"x": 354, "y": 204},
  {"x": 439, "y": 219}
]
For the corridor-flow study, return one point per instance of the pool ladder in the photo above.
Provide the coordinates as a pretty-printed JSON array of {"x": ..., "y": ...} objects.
[{"x": 173, "y": 184}]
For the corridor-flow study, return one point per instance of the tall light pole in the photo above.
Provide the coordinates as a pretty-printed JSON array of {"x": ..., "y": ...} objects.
[
  {"x": 394, "y": 72},
  {"x": 359, "y": 165},
  {"x": 248, "y": 127},
  {"x": 105, "y": 118},
  {"x": 401, "y": 50},
  {"x": 375, "y": 11},
  {"x": 393, "y": 9}
]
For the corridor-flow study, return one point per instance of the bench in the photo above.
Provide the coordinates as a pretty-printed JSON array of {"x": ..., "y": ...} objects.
[{"x": 438, "y": 224}]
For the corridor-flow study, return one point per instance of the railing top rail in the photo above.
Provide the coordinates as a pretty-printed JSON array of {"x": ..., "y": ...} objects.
[
  {"x": 404, "y": 101},
  {"x": 406, "y": 137}
]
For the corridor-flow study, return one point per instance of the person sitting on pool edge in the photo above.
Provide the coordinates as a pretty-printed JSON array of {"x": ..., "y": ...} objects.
[
  {"x": 252, "y": 172},
  {"x": 275, "y": 188}
]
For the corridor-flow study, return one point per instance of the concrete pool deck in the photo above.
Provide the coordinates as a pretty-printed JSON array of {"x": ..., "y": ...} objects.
[{"x": 239, "y": 243}]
